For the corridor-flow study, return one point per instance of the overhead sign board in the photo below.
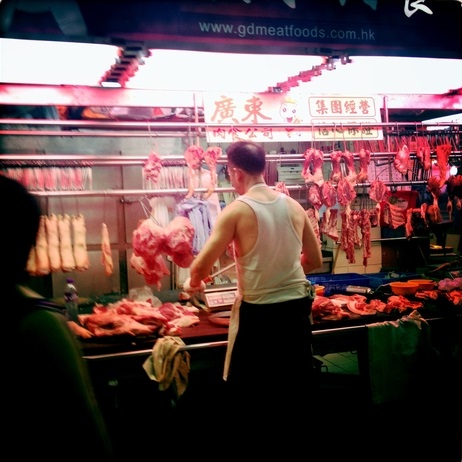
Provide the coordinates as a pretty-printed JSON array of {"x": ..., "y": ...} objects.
[
  {"x": 290, "y": 117},
  {"x": 419, "y": 28}
]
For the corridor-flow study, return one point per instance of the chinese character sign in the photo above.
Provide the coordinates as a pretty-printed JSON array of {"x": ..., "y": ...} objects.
[{"x": 286, "y": 117}]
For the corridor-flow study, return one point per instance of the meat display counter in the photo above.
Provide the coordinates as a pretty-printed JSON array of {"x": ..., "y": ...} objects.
[{"x": 136, "y": 409}]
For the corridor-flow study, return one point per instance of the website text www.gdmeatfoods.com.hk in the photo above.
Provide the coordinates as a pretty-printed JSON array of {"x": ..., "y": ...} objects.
[{"x": 287, "y": 31}]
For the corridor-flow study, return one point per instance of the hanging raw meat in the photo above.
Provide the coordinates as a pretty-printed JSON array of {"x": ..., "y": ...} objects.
[
  {"x": 328, "y": 194},
  {"x": 350, "y": 165},
  {"x": 106, "y": 253},
  {"x": 82, "y": 261},
  {"x": 336, "y": 158},
  {"x": 433, "y": 213},
  {"x": 148, "y": 240},
  {"x": 443, "y": 152},
  {"x": 329, "y": 224},
  {"x": 193, "y": 156},
  {"x": 148, "y": 243},
  {"x": 347, "y": 237},
  {"x": 312, "y": 166},
  {"x": 211, "y": 155},
  {"x": 314, "y": 196},
  {"x": 423, "y": 153},
  {"x": 152, "y": 167},
  {"x": 365, "y": 227},
  {"x": 345, "y": 192},
  {"x": 402, "y": 160},
  {"x": 41, "y": 250},
  {"x": 454, "y": 190},
  {"x": 31, "y": 265},
  {"x": 433, "y": 186},
  {"x": 280, "y": 186},
  {"x": 313, "y": 216},
  {"x": 51, "y": 225},
  {"x": 364, "y": 159},
  {"x": 65, "y": 243},
  {"x": 179, "y": 241},
  {"x": 379, "y": 191}
]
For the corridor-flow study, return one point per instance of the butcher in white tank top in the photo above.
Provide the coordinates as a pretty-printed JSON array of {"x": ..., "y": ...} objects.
[{"x": 278, "y": 248}]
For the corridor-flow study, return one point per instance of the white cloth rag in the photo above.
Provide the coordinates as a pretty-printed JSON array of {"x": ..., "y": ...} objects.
[{"x": 169, "y": 364}]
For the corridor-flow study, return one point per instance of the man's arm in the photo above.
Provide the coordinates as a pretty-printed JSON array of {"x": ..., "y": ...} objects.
[{"x": 311, "y": 257}]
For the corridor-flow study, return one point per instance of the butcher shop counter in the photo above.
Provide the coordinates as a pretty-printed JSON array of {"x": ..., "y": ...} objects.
[
  {"x": 136, "y": 409},
  {"x": 212, "y": 330}
]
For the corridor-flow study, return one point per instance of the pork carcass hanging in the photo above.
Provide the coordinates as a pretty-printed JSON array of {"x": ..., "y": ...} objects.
[
  {"x": 65, "y": 243},
  {"x": 41, "y": 249},
  {"x": 364, "y": 159},
  {"x": 193, "y": 156},
  {"x": 82, "y": 260},
  {"x": 152, "y": 167},
  {"x": 346, "y": 192},
  {"x": 106, "y": 253},
  {"x": 314, "y": 196},
  {"x": 329, "y": 218},
  {"x": 454, "y": 190},
  {"x": 211, "y": 155},
  {"x": 280, "y": 186},
  {"x": 433, "y": 213},
  {"x": 312, "y": 166},
  {"x": 350, "y": 165},
  {"x": 336, "y": 158},
  {"x": 313, "y": 216},
  {"x": 443, "y": 151},
  {"x": 379, "y": 192},
  {"x": 51, "y": 225},
  {"x": 402, "y": 160}
]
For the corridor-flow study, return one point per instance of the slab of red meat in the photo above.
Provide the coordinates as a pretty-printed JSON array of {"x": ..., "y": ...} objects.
[
  {"x": 179, "y": 241},
  {"x": 312, "y": 167},
  {"x": 336, "y": 158},
  {"x": 193, "y": 156},
  {"x": 110, "y": 323},
  {"x": 152, "y": 167},
  {"x": 148, "y": 240},
  {"x": 211, "y": 156},
  {"x": 328, "y": 194},
  {"x": 443, "y": 152},
  {"x": 314, "y": 196},
  {"x": 152, "y": 272},
  {"x": 313, "y": 216},
  {"x": 379, "y": 191},
  {"x": 280, "y": 186},
  {"x": 345, "y": 192},
  {"x": 402, "y": 160},
  {"x": 364, "y": 159},
  {"x": 350, "y": 164}
]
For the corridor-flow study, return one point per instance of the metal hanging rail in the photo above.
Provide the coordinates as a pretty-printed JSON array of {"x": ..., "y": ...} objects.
[
  {"x": 46, "y": 159},
  {"x": 184, "y": 191},
  {"x": 148, "y": 125}
]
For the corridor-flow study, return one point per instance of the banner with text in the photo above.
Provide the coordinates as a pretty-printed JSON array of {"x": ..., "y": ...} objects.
[{"x": 282, "y": 117}]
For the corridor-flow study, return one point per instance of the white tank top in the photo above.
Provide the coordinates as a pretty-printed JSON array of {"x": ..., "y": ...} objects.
[{"x": 272, "y": 268}]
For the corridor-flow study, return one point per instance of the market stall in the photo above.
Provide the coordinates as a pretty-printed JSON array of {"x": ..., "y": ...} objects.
[{"x": 103, "y": 160}]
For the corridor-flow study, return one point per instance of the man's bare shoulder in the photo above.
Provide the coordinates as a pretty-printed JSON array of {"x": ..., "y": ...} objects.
[{"x": 294, "y": 205}]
